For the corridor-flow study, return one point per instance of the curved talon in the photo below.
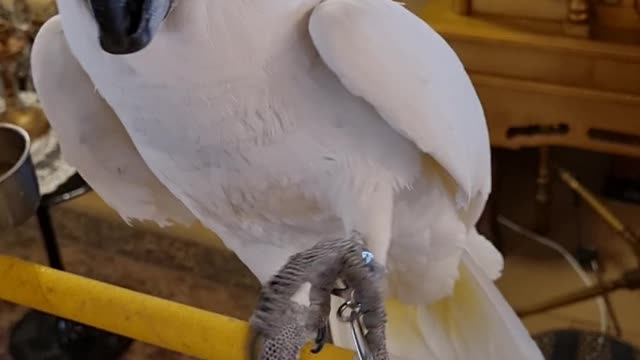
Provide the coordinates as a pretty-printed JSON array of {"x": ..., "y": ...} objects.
[
  {"x": 321, "y": 340},
  {"x": 358, "y": 274}
]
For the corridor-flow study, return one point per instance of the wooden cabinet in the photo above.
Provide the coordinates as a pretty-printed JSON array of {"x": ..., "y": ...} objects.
[
  {"x": 610, "y": 20},
  {"x": 540, "y": 88}
]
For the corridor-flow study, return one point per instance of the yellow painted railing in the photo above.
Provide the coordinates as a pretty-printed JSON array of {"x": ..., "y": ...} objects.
[{"x": 149, "y": 319}]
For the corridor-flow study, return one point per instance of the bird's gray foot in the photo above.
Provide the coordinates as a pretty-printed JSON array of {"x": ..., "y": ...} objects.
[
  {"x": 285, "y": 326},
  {"x": 283, "y": 342}
]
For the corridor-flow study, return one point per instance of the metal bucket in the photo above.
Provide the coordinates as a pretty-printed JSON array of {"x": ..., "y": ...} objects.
[{"x": 19, "y": 192}]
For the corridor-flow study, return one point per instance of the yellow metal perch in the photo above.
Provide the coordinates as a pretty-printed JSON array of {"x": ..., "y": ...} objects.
[{"x": 149, "y": 319}]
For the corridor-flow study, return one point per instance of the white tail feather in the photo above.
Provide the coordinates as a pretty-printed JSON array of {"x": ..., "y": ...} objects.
[{"x": 475, "y": 322}]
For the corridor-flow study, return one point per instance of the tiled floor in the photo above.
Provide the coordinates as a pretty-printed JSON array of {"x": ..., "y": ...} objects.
[{"x": 194, "y": 273}]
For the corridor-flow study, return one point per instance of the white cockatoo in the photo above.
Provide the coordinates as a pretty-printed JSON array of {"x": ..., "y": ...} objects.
[{"x": 279, "y": 123}]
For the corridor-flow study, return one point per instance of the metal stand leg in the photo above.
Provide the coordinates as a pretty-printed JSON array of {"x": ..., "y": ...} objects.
[
  {"x": 39, "y": 336},
  {"x": 543, "y": 192},
  {"x": 494, "y": 203}
]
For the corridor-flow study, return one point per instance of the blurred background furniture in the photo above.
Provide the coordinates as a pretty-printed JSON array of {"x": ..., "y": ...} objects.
[{"x": 549, "y": 73}]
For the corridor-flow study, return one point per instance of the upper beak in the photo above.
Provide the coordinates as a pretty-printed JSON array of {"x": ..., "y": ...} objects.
[{"x": 128, "y": 26}]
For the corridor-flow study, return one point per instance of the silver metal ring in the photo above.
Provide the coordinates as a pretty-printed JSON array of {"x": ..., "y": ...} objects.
[{"x": 353, "y": 315}]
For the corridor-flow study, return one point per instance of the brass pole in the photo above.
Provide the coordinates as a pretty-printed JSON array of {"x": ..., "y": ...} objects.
[
  {"x": 629, "y": 280},
  {"x": 627, "y": 234}
]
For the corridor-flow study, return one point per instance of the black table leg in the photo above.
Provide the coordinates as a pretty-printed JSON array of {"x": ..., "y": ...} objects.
[
  {"x": 49, "y": 237},
  {"x": 493, "y": 203},
  {"x": 543, "y": 192},
  {"x": 39, "y": 336}
]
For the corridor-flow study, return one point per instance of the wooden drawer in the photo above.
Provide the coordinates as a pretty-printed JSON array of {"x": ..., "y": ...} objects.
[{"x": 522, "y": 113}]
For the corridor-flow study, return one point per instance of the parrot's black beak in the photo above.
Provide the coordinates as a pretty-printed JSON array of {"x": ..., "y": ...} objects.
[{"x": 128, "y": 26}]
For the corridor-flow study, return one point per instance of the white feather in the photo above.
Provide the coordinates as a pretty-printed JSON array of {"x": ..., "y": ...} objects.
[
  {"x": 391, "y": 58},
  {"x": 93, "y": 139}
]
